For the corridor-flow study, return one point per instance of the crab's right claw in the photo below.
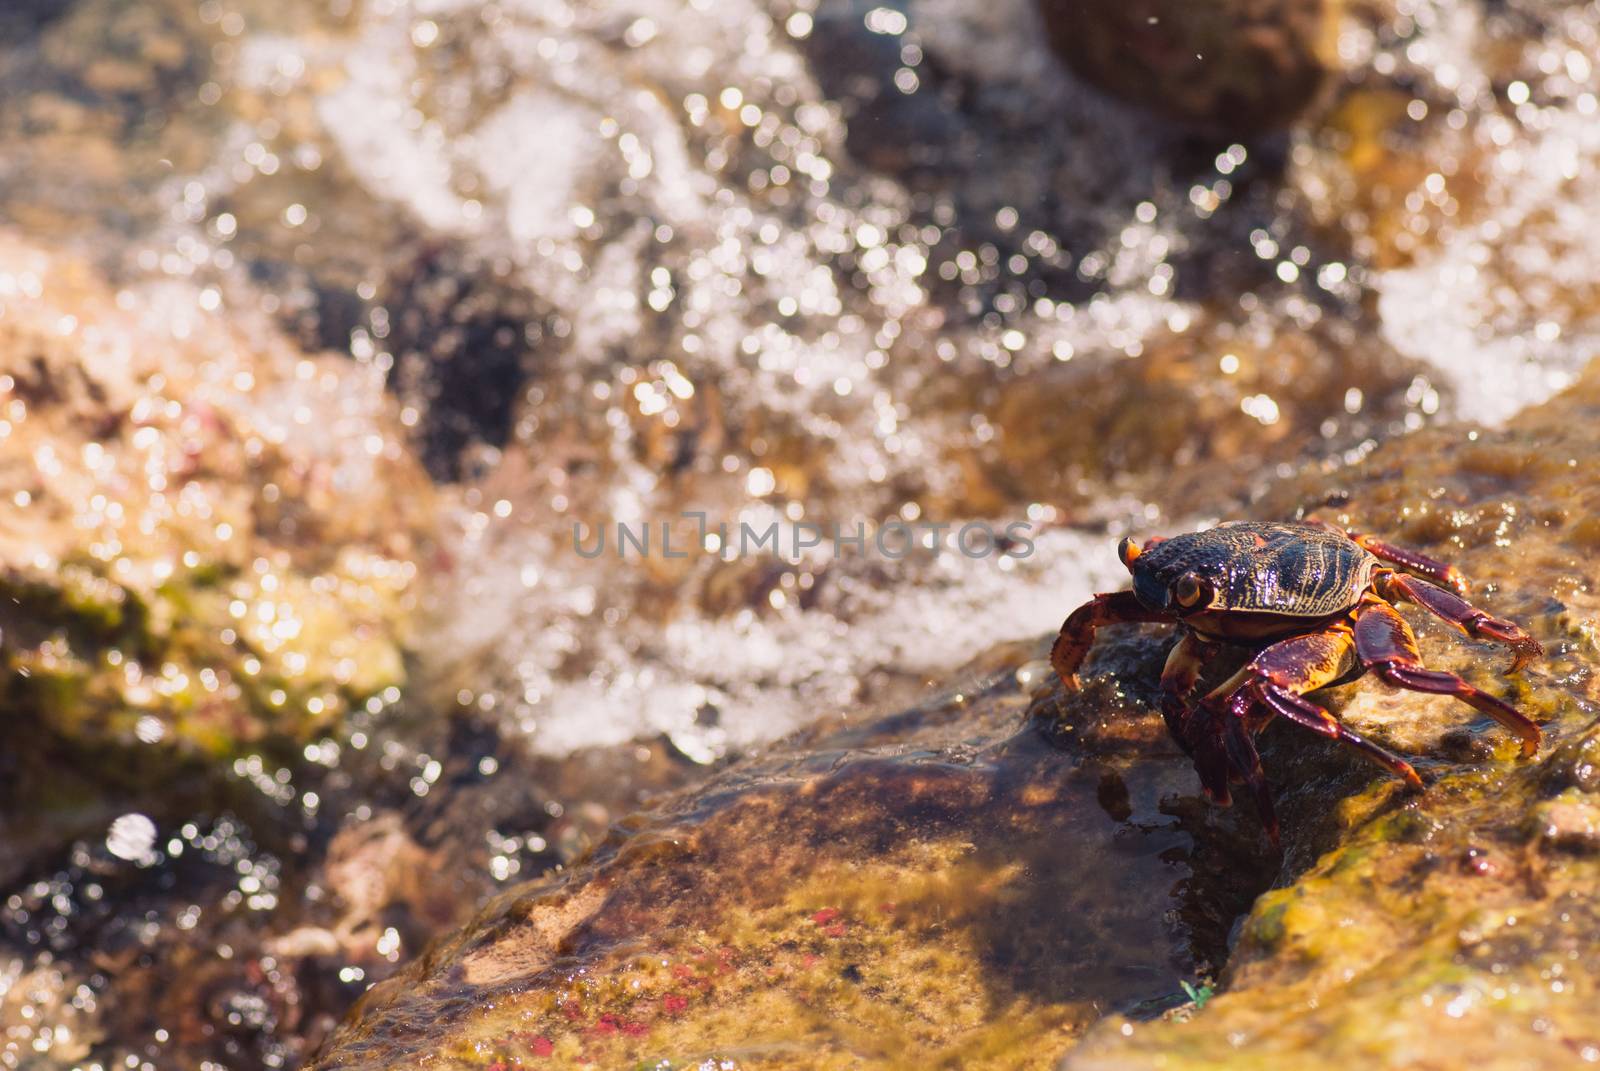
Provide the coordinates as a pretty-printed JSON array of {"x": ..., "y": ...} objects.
[{"x": 1077, "y": 631}]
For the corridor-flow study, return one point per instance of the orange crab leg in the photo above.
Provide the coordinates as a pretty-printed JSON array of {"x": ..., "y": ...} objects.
[
  {"x": 1432, "y": 568},
  {"x": 1077, "y": 632},
  {"x": 1460, "y": 613},
  {"x": 1386, "y": 646}
]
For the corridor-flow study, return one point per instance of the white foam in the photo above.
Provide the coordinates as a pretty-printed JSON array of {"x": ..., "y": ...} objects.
[
  {"x": 1493, "y": 307},
  {"x": 766, "y": 671}
]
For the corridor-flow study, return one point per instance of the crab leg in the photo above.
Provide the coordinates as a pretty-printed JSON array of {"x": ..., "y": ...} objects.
[
  {"x": 1275, "y": 682},
  {"x": 1203, "y": 736},
  {"x": 1460, "y": 613},
  {"x": 1386, "y": 645},
  {"x": 1281, "y": 675},
  {"x": 1432, "y": 568},
  {"x": 1289, "y": 668},
  {"x": 1184, "y": 665},
  {"x": 1077, "y": 632},
  {"x": 1308, "y": 715},
  {"x": 1242, "y": 756}
]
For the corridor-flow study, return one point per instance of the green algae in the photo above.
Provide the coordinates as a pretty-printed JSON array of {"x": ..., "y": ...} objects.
[{"x": 181, "y": 578}]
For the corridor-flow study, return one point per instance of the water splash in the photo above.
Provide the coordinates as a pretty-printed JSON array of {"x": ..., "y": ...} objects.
[
  {"x": 1495, "y": 285},
  {"x": 806, "y": 639}
]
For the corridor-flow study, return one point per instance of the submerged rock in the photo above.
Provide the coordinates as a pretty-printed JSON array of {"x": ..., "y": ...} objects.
[
  {"x": 1238, "y": 67},
  {"x": 994, "y": 879}
]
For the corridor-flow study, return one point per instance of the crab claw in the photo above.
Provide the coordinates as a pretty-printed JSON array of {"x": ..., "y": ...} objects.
[
  {"x": 1524, "y": 648},
  {"x": 1077, "y": 631}
]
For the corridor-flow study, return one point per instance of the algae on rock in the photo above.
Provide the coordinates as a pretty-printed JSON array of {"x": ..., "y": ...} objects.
[{"x": 207, "y": 537}]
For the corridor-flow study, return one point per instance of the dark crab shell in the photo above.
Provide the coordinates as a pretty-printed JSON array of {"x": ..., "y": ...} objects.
[{"x": 1299, "y": 570}]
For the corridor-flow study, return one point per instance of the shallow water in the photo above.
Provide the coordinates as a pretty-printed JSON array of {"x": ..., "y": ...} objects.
[{"x": 837, "y": 264}]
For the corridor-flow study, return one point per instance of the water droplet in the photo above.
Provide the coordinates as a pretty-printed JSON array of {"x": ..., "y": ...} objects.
[{"x": 131, "y": 837}]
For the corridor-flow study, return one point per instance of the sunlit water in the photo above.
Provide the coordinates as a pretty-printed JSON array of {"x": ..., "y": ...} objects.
[
  {"x": 1501, "y": 299},
  {"x": 792, "y": 264}
]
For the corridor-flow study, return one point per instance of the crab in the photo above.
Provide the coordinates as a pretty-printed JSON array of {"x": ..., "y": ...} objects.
[{"x": 1314, "y": 605}]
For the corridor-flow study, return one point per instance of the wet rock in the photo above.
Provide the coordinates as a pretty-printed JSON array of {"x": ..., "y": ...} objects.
[
  {"x": 1438, "y": 933},
  {"x": 1570, "y": 822},
  {"x": 372, "y": 868},
  {"x": 1238, "y": 67},
  {"x": 202, "y": 550},
  {"x": 241, "y": 939},
  {"x": 45, "y": 1009},
  {"x": 26, "y": 17},
  {"x": 983, "y": 877},
  {"x": 855, "y": 62},
  {"x": 1197, "y": 410},
  {"x": 920, "y": 902}
]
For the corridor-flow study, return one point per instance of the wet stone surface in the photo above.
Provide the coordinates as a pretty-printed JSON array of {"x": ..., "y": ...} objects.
[
  {"x": 985, "y": 876},
  {"x": 937, "y": 887},
  {"x": 1237, "y": 67},
  {"x": 197, "y": 554}
]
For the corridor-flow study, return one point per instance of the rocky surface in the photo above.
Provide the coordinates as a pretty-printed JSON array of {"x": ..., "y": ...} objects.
[
  {"x": 1237, "y": 67},
  {"x": 915, "y": 904},
  {"x": 1006, "y": 877},
  {"x": 201, "y": 548}
]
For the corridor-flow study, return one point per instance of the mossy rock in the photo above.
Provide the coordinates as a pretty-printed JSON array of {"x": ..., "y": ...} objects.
[{"x": 207, "y": 536}]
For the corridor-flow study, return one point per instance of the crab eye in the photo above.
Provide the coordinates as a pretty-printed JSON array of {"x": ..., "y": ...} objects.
[
  {"x": 1188, "y": 590},
  {"x": 1128, "y": 550}
]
